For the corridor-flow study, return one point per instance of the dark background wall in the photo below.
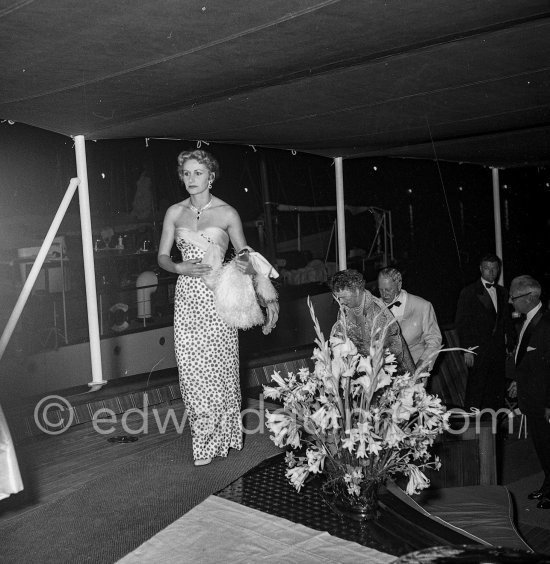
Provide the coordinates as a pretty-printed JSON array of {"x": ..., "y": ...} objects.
[{"x": 442, "y": 213}]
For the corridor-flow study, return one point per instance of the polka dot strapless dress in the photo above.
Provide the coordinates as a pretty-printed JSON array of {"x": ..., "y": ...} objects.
[{"x": 208, "y": 363}]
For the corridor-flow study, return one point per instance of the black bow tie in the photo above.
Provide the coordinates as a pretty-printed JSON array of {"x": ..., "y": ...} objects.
[
  {"x": 395, "y": 304},
  {"x": 487, "y": 285}
]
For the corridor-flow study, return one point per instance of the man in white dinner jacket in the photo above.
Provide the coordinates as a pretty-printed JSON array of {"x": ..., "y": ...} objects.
[{"x": 415, "y": 315}]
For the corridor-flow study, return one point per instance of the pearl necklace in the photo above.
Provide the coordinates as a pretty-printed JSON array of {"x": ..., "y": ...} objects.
[
  {"x": 358, "y": 310},
  {"x": 198, "y": 211}
]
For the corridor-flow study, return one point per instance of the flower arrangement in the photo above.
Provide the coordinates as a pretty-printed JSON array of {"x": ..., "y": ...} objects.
[{"x": 355, "y": 419}]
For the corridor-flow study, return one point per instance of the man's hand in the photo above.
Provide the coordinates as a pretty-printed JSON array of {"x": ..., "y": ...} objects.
[
  {"x": 513, "y": 390},
  {"x": 469, "y": 360},
  {"x": 271, "y": 317}
]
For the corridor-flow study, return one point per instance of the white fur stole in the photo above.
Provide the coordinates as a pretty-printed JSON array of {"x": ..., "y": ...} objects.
[{"x": 238, "y": 296}]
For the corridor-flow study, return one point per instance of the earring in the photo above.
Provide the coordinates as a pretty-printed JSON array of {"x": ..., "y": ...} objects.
[{"x": 210, "y": 184}]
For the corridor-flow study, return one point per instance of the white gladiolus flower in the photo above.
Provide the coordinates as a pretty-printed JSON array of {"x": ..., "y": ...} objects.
[
  {"x": 326, "y": 417},
  {"x": 272, "y": 393},
  {"x": 364, "y": 381},
  {"x": 401, "y": 412},
  {"x": 375, "y": 444},
  {"x": 394, "y": 434},
  {"x": 315, "y": 460},
  {"x": 333, "y": 416},
  {"x": 276, "y": 377},
  {"x": 291, "y": 380},
  {"x": 342, "y": 347},
  {"x": 297, "y": 476},
  {"x": 348, "y": 443},
  {"x": 303, "y": 374},
  {"x": 318, "y": 355},
  {"x": 331, "y": 386},
  {"x": 284, "y": 429},
  {"x": 337, "y": 366},
  {"x": 362, "y": 448},
  {"x": 320, "y": 418},
  {"x": 354, "y": 489},
  {"x": 348, "y": 371},
  {"x": 384, "y": 379},
  {"x": 356, "y": 473},
  {"x": 290, "y": 459},
  {"x": 276, "y": 421},
  {"x": 417, "y": 480},
  {"x": 364, "y": 365},
  {"x": 293, "y": 437},
  {"x": 309, "y": 387},
  {"x": 407, "y": 396},
  {"x": 390, "y": 358}
]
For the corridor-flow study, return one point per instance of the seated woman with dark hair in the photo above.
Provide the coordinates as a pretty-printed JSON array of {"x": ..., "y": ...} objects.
[{"x": 366, "y": 317}]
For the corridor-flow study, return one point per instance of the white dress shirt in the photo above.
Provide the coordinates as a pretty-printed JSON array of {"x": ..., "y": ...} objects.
[
  {"x": 492, "y": 292},
  {"x": 527, "y": 320},
  {"x": 398, "y": 311}
]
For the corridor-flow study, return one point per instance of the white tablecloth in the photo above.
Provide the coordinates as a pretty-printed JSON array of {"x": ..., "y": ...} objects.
[{"x": 219, "y": 530}]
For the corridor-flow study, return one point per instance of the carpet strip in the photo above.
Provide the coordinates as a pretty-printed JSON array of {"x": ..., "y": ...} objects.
[{"x": 109, "y": 517}]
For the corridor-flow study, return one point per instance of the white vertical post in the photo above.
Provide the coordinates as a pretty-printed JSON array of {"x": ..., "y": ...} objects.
[
  {"x": 391, "y": 236},
  {"x": 498, "y": 223},
  {"x": 35, "y": 270},
  {"x": 340, "y": 214},
  {"x": 88, "y": 255}
]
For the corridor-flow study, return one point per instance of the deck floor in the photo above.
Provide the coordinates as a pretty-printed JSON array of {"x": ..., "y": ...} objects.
[{"x": 55, "y": 466}]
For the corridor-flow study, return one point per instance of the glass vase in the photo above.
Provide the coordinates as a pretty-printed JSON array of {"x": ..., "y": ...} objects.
[{"x": 359, "y": 508}]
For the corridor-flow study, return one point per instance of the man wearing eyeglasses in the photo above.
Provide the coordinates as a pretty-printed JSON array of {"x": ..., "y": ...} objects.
[
  {"x": 532, "y": 374},
  {"x": 483, "y": 320}
]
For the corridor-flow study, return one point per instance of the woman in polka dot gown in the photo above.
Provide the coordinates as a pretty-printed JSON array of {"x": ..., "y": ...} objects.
[{"x": 206, "y": 347}]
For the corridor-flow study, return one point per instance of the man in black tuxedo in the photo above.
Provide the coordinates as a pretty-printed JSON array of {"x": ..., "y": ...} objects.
[
  {"x": 532, "y": 374},
  {"x": 483, "y": 321}
]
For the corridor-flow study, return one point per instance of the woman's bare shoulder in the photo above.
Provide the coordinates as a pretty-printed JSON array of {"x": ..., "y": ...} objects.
[
  {"x": 221, "y": 204},
  {"x": 176, "y": 209},
  {"x": 225, "y": 209}
]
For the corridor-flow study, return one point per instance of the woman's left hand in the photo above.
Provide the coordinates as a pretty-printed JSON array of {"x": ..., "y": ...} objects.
[
  {"x": 245, "y": 266},
  {"x": 272, "y": 317}
]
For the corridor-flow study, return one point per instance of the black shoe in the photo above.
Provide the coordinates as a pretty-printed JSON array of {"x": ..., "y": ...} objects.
[
  {"x": 537, "y": 494},
  {"x": 544, "y": 503}
]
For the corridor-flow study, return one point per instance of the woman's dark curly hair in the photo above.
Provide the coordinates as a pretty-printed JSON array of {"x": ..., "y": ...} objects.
[{"x": 347, "y": 280}]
